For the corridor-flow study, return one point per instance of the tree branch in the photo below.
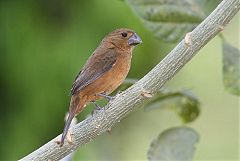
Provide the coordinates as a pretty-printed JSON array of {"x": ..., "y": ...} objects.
[{"x": 137, "y": 94}]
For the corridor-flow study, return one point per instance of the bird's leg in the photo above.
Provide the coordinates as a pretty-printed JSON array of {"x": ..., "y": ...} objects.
[
  {"x": 109, "y": 98},
  {"x": 97, "y": 107}
]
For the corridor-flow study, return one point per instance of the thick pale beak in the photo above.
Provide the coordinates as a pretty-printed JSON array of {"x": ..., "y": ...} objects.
[{"x": 134, "y": 40}]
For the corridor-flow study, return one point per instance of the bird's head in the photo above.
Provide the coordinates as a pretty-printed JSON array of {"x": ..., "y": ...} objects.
[{"x": 123, "y": 38}]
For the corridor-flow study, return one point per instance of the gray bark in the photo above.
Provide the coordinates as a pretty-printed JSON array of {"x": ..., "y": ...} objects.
[{"x": 137, "y": 94}]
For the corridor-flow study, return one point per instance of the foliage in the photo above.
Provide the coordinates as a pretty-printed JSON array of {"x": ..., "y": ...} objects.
[
  {"x": 170, "y": 20},
  {"x": 175, "y": 144},
  {"x": 231, "y": 68},
  {"x": 183, "y": 102}
]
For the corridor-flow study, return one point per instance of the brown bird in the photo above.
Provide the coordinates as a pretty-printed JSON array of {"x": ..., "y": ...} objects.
[{"x": 103, "y": 72}]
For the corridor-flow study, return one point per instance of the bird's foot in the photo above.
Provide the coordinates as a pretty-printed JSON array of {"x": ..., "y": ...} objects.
[
  {"x": 109, "y": 98},
  {"x": 97, "y": 107}
]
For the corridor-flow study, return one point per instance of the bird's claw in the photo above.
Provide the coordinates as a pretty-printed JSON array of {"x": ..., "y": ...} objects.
[{"x": 109, "y": 98}]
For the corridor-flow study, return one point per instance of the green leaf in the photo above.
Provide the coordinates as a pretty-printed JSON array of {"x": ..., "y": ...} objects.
[
  {"x": 169, "y": 20},
  {"x": 175, "y": 144},
  {"x": 184, "y": 103},
  {"x": 231, "y": 68},
  {"x": 208, "y": 5}
]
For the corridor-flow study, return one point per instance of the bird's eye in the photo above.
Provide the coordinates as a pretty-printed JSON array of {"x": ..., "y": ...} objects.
[{"x": 124, "y": 34}]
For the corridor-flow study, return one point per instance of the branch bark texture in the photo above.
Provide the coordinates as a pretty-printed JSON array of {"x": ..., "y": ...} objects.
[{"x": 137, "y": 94}]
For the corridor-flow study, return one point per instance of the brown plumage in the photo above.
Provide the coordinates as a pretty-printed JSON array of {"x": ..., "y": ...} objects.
[{"x": 104, "y": 71}]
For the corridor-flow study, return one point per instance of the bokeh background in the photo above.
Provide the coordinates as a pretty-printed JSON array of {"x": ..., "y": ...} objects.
[{"x": 43, "y": 45}]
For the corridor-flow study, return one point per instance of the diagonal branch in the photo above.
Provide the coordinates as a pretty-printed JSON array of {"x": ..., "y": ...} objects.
[{"x": 134, "y": 96}]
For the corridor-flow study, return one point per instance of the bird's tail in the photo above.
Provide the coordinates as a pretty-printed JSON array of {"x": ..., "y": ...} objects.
[{"x": 72, "y": 111}]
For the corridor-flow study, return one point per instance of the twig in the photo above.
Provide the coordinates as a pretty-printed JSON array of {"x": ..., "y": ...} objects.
[{"x": 131, "y": 98}]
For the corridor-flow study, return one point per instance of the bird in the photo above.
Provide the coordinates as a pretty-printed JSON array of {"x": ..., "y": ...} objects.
[{"x": 104, "y": 71}]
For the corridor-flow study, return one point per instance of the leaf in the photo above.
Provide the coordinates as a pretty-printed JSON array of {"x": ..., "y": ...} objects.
[
  {"x": 208, "y": 5},
  {"x": 175, "y": 144},
  {"x": 169, "y": 20},
  {"x": 183, "y": 102},
  {"x": 231, "y": 68}
]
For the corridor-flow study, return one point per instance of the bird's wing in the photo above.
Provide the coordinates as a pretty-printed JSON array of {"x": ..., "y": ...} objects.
[{"x": 96, "y": 66}]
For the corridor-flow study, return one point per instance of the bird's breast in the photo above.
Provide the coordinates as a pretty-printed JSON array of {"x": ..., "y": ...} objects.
[
  {"x": 110, "y": 80},
  {"x": 118, "y": 73},
  {"x": 122, "y": 65}
]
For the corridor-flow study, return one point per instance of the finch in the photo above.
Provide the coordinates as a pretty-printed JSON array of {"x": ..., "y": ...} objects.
[{"x": 103, "y": 72}]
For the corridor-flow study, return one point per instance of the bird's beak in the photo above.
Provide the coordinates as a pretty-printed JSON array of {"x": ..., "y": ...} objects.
[{"x": 134, "y": 40}]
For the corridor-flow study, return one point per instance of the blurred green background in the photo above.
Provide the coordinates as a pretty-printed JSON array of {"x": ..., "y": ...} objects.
[{"x": 43, "y": 45}]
